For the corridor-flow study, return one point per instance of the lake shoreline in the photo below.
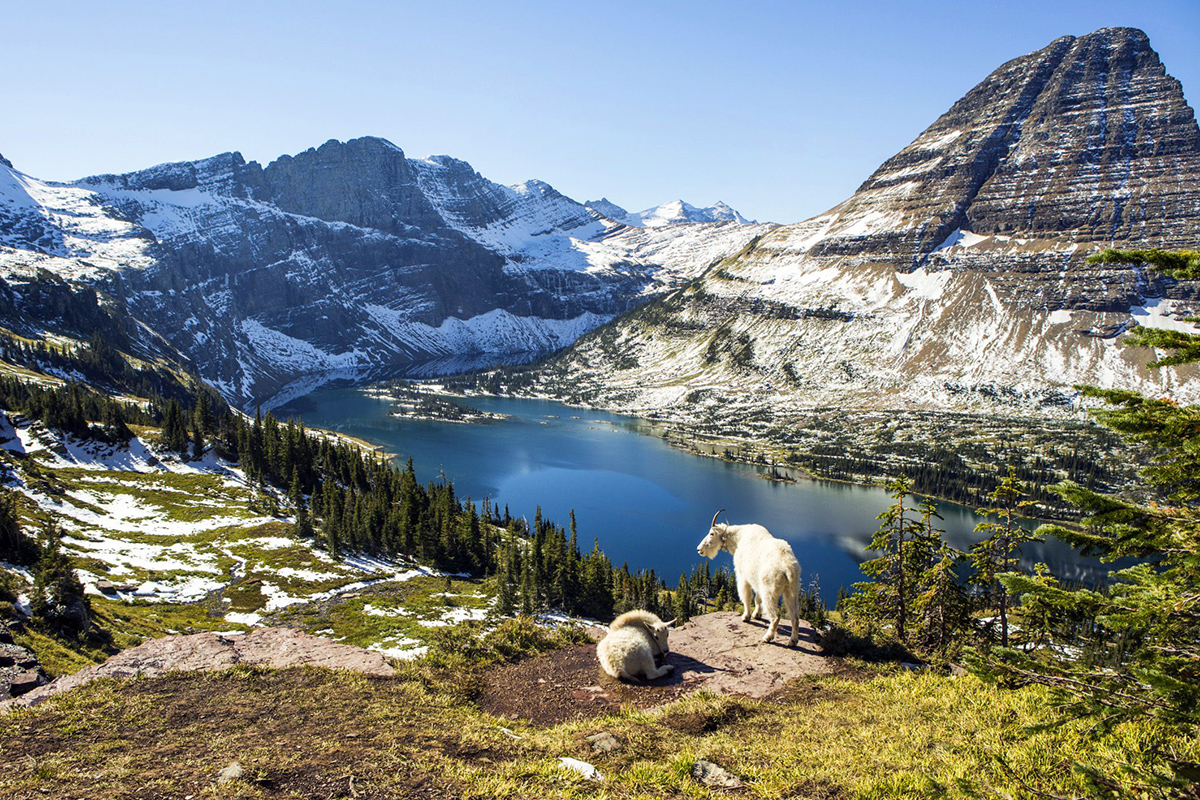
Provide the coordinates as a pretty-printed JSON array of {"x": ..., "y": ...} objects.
[{"x": 731, "y": 449}]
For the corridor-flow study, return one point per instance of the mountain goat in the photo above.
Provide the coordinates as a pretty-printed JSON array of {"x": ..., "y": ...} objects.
[
  {"x": 635, "y": 641},
  {"x": 764, "y": 567}
]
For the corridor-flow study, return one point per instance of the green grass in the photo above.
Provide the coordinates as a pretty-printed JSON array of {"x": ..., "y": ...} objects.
[
  {"x": 404, "y": 606},
  {"x": 307, "y": 732},
  {"x": 174, "y": 495},
  {"x": 120, "y": 625}
]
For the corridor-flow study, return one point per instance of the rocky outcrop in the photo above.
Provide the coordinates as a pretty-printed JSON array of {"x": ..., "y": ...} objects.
[
  {"x": 719, "y": 653},
  {"x": 1086, "y": 142},
  {"x": 956, "y": 277},
  {"x": 277, "y": 648},
  {"x": 20, "y": 670},
  {"x": 714, "y": 652}
]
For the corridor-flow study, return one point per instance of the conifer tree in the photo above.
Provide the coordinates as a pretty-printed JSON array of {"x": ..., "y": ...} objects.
[
  {"x": 943, "y": 604},
  {"x": 113, "y": 422},
  {"x": 15, "y": 546},
  {"x": 57, "y": 595},
  {"x": 1128, "y": 649},
  {"x": 174, "y": 431},
  {"x": 198, "y": 443},
  {"x": 999, "y": 552},
  {"x": 890, "y": 593},
  {"x": 682, "y": 601}
]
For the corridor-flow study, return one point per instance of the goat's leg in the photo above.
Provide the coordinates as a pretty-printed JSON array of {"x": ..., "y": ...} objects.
[
  {"x": 793, "y": 604},
  {"x": 773, "y": 613},
  {"x": 658, "y": 672},
  {"x": 745, "y": 593}
]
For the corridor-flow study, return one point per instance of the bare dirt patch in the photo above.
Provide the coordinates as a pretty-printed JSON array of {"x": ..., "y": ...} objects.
[{"x": 717, "y": 652}]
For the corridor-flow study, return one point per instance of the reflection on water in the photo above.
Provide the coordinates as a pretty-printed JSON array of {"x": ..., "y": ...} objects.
[{"x": 646, "y": 503}]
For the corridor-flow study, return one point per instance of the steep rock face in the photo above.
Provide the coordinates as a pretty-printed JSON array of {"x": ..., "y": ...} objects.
[
  {"x": 365, "y": 182},
  {"x": 345, "y": 257},
  {"x": 956, "y": 276}
]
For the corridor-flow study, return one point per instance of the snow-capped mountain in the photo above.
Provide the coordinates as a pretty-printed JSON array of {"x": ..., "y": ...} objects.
[
  {"x": 674, "y": 212},
  {"x": 349, "y": 256},
  {"x": 955, "y": 278}
]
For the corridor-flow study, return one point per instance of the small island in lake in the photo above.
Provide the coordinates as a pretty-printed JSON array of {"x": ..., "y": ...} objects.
[{"x": 420, "y": 401}]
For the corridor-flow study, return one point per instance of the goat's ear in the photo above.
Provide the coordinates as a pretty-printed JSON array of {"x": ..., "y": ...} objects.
[{"x": 671, "y": 624}]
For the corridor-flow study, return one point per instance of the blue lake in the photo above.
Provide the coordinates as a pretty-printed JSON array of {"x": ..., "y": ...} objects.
[{"x": 646, "y": 503}]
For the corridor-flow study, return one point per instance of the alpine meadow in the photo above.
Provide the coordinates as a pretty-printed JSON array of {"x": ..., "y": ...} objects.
[{"x": 353, "y": 474}]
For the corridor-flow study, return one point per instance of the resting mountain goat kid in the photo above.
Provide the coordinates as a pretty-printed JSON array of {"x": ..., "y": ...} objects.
[
  {"x": 764, "y": 567},
  {"x": 635, "y": 639}
]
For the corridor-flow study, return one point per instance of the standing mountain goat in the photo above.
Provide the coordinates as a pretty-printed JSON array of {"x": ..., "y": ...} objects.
[
  {"x": 764, "y": 567},
  {"x": 635, "y": 640}
]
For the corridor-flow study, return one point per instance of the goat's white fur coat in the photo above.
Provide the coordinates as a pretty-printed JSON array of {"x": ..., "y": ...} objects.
[
  {"x": 765, "y": 568},
  {"x": 634, "y": 640}
]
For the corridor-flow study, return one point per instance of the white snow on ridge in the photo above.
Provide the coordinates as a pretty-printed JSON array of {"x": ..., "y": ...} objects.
[
  {"x": 676, "y": 212},
  {"x": 925, "y": 284},
  {"x": 82, "y": 227},
  {"x": 961, "y": 238},
  {"x": 1160, "y": 313},
  {"x": 496, "y": 331},
  {"x": 278, "y": 349}
]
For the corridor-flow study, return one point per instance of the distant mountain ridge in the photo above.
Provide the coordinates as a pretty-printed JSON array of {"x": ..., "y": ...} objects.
[
  {"x": 346, "y": 257},
  {"x": 955, "y": 277},
  {"x": 674, "y": 212}
]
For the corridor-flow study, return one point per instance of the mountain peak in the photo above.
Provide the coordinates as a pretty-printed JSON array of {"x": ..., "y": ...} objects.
[
  {"x": 672, "y": 212},
  {"x": 607, "y": 209},
  {"x": 676, "y": 212},
  {"x": 1072, "y": 140},
  {"x": 956, "y": 277}
]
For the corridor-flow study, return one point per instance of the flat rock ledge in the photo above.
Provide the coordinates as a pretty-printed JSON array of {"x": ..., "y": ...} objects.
[
  {"x": 724, "y": 655},
  {"x": 268, "y": 647}
]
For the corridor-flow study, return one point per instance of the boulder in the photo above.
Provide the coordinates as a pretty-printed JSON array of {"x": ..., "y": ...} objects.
[
  {"x": 20, "y": 671},
  {"x": 710, "y": 774},
  {"x": 24, "y": 682}
]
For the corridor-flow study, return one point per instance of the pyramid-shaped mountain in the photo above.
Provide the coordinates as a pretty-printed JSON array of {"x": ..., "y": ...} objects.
[{"x": 955, "y": 278}]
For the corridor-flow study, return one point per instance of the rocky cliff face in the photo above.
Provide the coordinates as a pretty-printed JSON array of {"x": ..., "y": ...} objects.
[
  {"x": 347, "y": 257},
  {"x": 956, "y": 276}
]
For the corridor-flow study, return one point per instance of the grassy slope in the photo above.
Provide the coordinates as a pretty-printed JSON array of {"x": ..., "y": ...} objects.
[
  {"x": 313, "y": 733},
  {"x": 172, "y": 526},
  {"x": 123, "y": 625}
]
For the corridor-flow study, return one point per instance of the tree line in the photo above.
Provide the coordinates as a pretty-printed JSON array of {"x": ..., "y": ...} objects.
[
  {"x": 348, "y": 500},
  {"x": 1125, "y": 650}
]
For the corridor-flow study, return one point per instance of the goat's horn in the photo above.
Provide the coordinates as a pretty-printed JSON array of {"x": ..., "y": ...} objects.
[{"x": 714, "y": 522}]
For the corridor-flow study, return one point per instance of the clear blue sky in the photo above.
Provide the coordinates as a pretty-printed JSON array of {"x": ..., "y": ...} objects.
[{"x": 779, "y": 108}]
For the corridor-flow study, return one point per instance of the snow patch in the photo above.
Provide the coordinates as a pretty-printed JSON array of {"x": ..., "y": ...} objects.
[
  {"x": 925, "y": 284},
  {"x": 1160, "y": 313}
]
